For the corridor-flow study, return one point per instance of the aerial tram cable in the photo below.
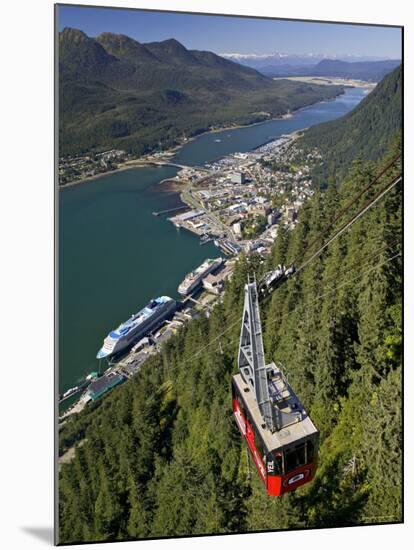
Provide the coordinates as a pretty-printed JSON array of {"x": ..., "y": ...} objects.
[
  {"x": 273, "y": 279},
  {"x": 355, "y": 199},
  {"x": 280, "y": 436},
  {"x": 379, "y": 195},
  {"x": 295, "y": 271},
  {"x": 320, "y": 296},
  {"x": 337, "y": 287},
  {"x": 283, "y": 447},
  {"x": 348, "y": 224},
  {"x": 278, "y": 432},
  {"x": 357, "y": 264},
  {"x": 344, "y": 283},
  {"x": 331, "y": 290}
]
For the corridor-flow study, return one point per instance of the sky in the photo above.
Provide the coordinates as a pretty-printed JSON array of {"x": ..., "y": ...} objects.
[{"x": 236, "y": 34}]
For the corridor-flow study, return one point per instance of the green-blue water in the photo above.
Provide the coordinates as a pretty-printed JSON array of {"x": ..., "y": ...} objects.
[
  {"x": 206, "y": 148},
  {"x": 115, "y": 255}
]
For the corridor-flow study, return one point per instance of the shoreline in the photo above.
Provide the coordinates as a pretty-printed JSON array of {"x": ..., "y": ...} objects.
[
  {"x": 137, "y": 163},
  {"x": 171, "y": 185},
  {"x": 321, "y": 80},
  {"x": 122, "y": 168}
]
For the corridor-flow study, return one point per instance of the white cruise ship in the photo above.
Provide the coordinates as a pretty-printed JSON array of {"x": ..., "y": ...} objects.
[
  {"x": 195, "y": 278},
  {"x": 148, "y": 319}
]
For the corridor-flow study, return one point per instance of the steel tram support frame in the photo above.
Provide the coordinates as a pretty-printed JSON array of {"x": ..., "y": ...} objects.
[{"x": 251, "y": 360}]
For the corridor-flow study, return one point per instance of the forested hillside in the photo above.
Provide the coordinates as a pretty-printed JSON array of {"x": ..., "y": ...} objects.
[
  {"x": 117, "y": 92},
  {"x": 162, "y": 455},
  {"x": 366, "y": 132}
]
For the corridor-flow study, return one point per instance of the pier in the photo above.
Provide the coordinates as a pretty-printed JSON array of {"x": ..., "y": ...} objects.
[
  {"x": 161, "y": 212},
  {"x": 63, "y": 398}
]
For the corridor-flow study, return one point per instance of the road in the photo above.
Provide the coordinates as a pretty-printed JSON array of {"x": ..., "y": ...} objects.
[{"x": 189, "y": 198}]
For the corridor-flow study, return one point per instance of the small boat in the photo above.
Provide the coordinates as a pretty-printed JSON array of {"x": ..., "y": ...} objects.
[
  {"x": 69, "y": 392},
  {"x": 205, "y": 238},
  {"x": 217, "y": 140}
]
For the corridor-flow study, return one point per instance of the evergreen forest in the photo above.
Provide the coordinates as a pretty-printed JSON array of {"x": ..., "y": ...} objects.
[
  {"x": 115, "y": 92},
  {"x": 162, "y": 456},
  {"x": 366, "y": 132}
]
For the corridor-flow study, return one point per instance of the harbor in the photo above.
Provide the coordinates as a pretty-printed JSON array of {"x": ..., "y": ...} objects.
[
  {"x": 169, "y": 210},
  {"x": 118, "y": 255},
  {"x": 124, "y": 351}
]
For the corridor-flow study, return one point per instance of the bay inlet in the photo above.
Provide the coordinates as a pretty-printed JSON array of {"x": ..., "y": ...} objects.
[{"x": 114, "y": 255}]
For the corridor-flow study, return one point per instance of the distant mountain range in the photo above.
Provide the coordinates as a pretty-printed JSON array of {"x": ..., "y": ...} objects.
[
  {"x": 117, "y": 92},
  {"x": 372, "y": 71},
  {"x": 279, "y": 58},
  {"x": 277, "y": 65}
]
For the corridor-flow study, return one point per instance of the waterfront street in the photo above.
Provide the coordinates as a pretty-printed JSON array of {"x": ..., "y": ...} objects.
[
  {"x": 248, "y": 196},
  {"x": 117, "y": 255}
]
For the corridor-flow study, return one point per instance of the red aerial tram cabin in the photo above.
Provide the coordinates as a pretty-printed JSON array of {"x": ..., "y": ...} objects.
[
  {"x": 279, "y": 434},
  {"x": 285, "y": 459}
]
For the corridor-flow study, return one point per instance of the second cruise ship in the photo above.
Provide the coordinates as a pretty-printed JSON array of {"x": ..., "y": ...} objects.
[
  {"x": 195, "y": 278},
  {"x": 147, "y": 319}
]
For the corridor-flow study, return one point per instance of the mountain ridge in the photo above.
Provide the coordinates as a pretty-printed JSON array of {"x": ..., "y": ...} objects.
[
  {"x": 365, "y": 133},
  {"x": 114, "y": 82},
  {"x": 284, "y": 64},
  {"x": 178, "y": 466}
]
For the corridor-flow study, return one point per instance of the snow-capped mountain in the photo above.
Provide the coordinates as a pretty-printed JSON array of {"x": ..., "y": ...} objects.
[{"x": 258, "y": 61}]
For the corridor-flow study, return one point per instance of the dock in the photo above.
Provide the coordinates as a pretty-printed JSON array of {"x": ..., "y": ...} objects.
[
  {"x": 84, "y": 384},
  {"x": 176, "y": 209},
  {"x": 197, "y": 302}
]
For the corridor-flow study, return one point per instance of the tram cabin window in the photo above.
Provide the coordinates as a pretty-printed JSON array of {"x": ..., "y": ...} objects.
[
  {"x": 278, "y": 461},
  {"x": 294, "y": 458}
]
